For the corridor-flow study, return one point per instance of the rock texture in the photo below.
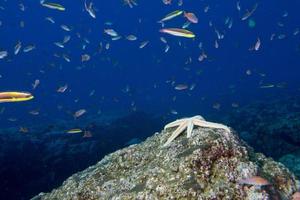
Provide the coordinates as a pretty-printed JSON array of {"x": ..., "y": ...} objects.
[{"x": 205, "y": 166}]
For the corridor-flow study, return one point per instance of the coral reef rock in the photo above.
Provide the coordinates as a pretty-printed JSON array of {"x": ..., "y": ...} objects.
[{"x": 207, "y": 165}]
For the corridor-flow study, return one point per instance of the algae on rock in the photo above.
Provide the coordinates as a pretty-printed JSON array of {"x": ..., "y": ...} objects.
[{"x": 206, "y": 166}]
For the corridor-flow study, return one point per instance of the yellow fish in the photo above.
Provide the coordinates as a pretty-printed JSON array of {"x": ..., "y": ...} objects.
[
  {"x": 171, "y": 15},
  {"x": 15, "y": 96},
  {"x": 74, "y": 130},
  {"x": 54, "y": 6},
  {"x": 178, "y": 32}
]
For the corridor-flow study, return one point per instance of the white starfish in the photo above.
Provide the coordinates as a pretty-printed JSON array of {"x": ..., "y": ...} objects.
[{"x": 189, "y": 123}]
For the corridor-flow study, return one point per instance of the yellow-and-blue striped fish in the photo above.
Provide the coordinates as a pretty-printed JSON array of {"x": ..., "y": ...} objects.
[
  {"x": 171, "y": 15},
  {"x": 178, "y": 32},
  {"x": 55, "y": 6}
]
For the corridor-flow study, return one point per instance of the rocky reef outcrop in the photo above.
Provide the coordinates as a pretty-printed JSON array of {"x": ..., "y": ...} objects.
[{"x": 207, "y": 165}]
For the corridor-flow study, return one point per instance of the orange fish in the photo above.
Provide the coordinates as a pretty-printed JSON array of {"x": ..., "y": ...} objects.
[
  {"x": 254, "y": 180},
  {"x": 191, "y": 17}
]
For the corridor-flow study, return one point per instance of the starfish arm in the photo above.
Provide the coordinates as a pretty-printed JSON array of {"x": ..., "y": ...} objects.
[
  {"x": 177, "y": 132},
  {"x": 211, "y": 125},
  {"x": 190, "y": 127},
  {"x": 175, "y": 123},
  {"x": 199, "y": 117}
]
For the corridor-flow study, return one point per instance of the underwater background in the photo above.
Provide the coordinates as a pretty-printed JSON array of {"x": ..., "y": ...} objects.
[{"x": 95, "y": 93}]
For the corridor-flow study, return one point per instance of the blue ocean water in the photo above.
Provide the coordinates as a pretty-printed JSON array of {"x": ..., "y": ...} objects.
[{"x": 121, "y": 79}]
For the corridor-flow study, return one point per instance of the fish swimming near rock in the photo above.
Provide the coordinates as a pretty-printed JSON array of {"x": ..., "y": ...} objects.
[{"x": 256, "y": 181}]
